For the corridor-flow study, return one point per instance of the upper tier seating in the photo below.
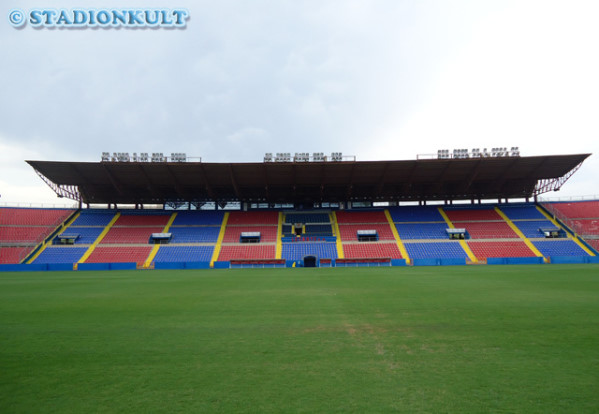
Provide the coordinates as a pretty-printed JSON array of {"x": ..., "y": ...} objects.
[
  {"x": 371, "y": 250},
  {"x": 33, "y": 216},
  {"x": 415, "y": 214},
  {"x": 24, "y": 234},
  {"x": 94, "y": 218},
  {"x": 485, "y": 249},
  {"x": 345, "y": 217},
  {"x": 348, "y": 232},
  {"x": 130, "y": 235},
  {"x": 580, "y": 209},
  {"x": 487, "y": 229},
  {"x": 422, "y": 230},
  {"x": 297, "y": 251},
  {"x": 203, "y": 234},
  {"x": 304, "y": 218},
  {"x": 199, "y": 218},
  {"x": 138, "y": 220},
  {"x": 522, "y": 212},
  {"x": 319, "y": 230},
  {"x": 267, "y": 233},
  {"x": 585, "y": 226},
  {"x": 436, "y": 250},
  {"x": 530, "y": 228},
  {"x": 252, "y": 218},
  {"x": 87, "y": 235},
  {"x": 471, "y": 214}
]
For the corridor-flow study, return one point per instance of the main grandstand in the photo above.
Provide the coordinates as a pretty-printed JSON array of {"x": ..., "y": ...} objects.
[{"x": 445, "y": 210}]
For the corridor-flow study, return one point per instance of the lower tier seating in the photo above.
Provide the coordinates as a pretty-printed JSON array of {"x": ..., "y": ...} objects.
[
  {"x": 120, "y": 254},
  {"x": 13, "y": 255},
  {"x": 371, "y": 250},
  {"x": 247, "y": 251},
  {"x": 297, "y": 251},
  {"x": 184, "y": 254},
  {"x": 550, "y": 248},
  {"x": 436, "y": 250},
  {"x": 485, "y": 249},
  {"x": 56, "y": 254}
]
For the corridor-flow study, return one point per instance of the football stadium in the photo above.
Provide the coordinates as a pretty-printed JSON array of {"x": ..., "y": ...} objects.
[{"x": 302, "y": 283}]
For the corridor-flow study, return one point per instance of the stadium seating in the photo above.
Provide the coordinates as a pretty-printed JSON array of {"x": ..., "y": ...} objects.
[
  {"x": 267, "y": 233},
  {"x": 522, "y": 212},
  {"x": 297, "y": 251},
  {"x": 129, "y": 235},
  {"x": 33, "y": 216},
  {"x": 487, "y": 229},
  {"x": 558, "y": 247},
  {"x": 486, "y": 249},
  {"x": 253, "y": 218},
  {"x": 88, "y": 218},
  {"x": 306, "y": 218},
  {"x": 13, "y": 255},
  {"x": 371, "y": 250},
  {"x": 587, "y": 227},
  {"x": 247, "y": 251},
  {"x": 120, "y": 254},
  {"x": 436, "y": 250},
  {"x": 471, "y": 214},
  {"x": 198, "y": 218},
  {"x": 580, "y": 209},
  {"x": 170, "y": 253},
  {"x": 196, "y": 234},
  {"x": 415, "y": 214},
  {"x": 348, "y": 232},
  {"x": 348, "y": 217},
  {"x": 138, "y": 220},
  {"x": 530, "y": 228},
  {"x": 422, "y": 230},
  {"x": 55, "y": 254}
]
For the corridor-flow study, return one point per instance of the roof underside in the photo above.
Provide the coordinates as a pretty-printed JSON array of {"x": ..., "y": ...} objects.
[{"x": 307, "y": 182}]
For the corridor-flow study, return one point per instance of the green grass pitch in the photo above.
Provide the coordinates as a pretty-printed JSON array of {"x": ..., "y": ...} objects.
[{"x": 464, "y": 339}]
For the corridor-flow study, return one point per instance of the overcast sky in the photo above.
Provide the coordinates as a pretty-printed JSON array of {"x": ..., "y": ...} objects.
[{"x": 380, "y": 80}]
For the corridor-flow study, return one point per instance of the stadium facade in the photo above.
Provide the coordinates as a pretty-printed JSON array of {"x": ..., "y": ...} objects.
[{"x": 449, "y": 210}]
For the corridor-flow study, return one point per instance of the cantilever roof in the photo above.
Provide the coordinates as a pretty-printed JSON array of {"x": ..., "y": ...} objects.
[{"x": 304, "y": 182}]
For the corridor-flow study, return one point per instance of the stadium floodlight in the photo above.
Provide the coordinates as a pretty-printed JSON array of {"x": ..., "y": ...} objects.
[
  {"x": 301, "y": 157},
  {"x": 515, "y": 152},
  {"x": 143, "y": 157},
  {"x": 123, "y": 157},
  {"x": 443, "y": 154},
  {"x": 158, "y": 157},
  {"x": 476, "y": 153},
  {"x": 318, "y": 157},
  {"x": 134, "y": 157},
  {"x": 268, "y": 157},
  {"x": 178, "y": 157},
  {"x": 336, "y": 156},
  {"x": 105, "y": 156}
]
